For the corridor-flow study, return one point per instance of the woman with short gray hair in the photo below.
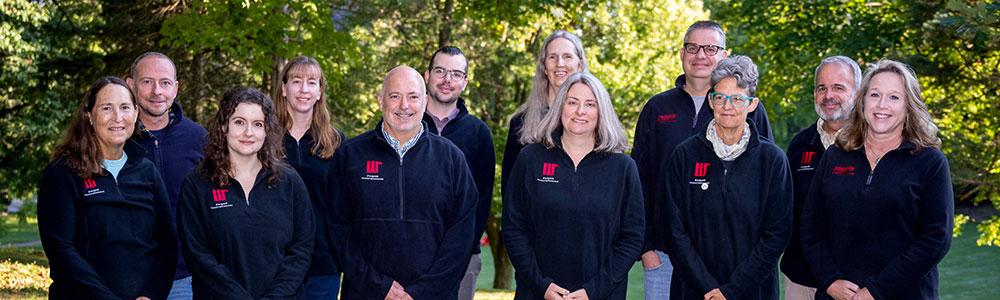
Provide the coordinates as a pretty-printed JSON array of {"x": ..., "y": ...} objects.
[
  {"x": 573, "y": 214},
  {"x": 729, "y": 198}
]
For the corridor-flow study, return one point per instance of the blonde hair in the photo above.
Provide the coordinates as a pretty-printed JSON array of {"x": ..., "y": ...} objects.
[
  {"x": 918, "y": 126},
  {"x": 533, "y": 109},
  {"x": 326, "y": 137},
  {"x": 609, "y": 135}
]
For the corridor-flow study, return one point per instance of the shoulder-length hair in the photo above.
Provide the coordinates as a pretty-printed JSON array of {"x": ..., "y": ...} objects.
[
  {"x": 918, "y": 126},
  {"x": 79, "y": 145},
  {"x": 609, "y": 135},
  {"x": 327, "y": 139},
  {"x": 533, "y": 109},
  {"x": 216, "y": 165}
]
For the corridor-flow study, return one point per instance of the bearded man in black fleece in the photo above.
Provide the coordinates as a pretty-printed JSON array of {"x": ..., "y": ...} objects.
[{"x": 402, "y": 203}]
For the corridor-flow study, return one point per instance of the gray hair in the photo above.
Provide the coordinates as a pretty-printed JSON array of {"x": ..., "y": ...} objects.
[
  {"x": 533, "y": 109},
  {"x": 708, "y": 25},
  {"x": 738, "y": 67},
  {"x": 843, "y": 61},
  {"x": 135, "y": 63},
  {"x": 609, "y": 135}
]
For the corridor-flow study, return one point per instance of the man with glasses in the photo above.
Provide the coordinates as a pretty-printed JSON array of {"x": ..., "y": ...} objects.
[
  {"x": 446, "y": 79},
  {"x": 173, "y": 143},
  {"x": 837, "y": 79},
  {"x": 668, "y": 119}
]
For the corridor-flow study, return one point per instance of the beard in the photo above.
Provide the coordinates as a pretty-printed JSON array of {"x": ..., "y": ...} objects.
[
  {"x": 837, "y": 115},
  {"x": 437, "y": 97}
]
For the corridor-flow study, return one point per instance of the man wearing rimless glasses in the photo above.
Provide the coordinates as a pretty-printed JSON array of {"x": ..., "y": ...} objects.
[{"x": 668, "y": 119}]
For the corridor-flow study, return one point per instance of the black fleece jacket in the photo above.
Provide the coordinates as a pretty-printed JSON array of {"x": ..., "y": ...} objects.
[
  {"x": 729, "y": 221},
  {"x": 240, "y": 248},
  {"x": 408, "y": 219},
  {"x": 473, "y": 137},
  {"x": 666, "y": 120},
  {"x": 884, "y": 229},
  {"x": 577, "y": 227},
  {"x": 804, "y": 153},
  {"x": 107, "y": 238}
]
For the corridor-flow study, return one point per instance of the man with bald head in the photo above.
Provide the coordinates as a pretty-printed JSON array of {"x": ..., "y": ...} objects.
[{"x": 401, "y": 203}]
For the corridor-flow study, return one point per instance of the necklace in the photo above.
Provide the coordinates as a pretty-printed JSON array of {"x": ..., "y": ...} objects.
[{"x": 869, "y": 150}]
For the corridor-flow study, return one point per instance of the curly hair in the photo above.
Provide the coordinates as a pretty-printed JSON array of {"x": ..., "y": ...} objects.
[
  {"x": 216, "y": 165},
  {"x": 327, "y": 138},
  {"x": 79, "y": 145}
]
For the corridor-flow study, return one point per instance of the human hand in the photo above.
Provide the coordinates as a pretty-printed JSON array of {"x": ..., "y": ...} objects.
[
  {"x": 715, "y": 294},
  {"x": 842, "y": 289},
  {"x": 650, "y": 260},
  {"x": 555, "y": 292},
  {"x": 580, "y": 294},
  {"x": 863, "y": 294},
  {"x": 142, "y": 298},
  {"x": 396, "y": 292}
]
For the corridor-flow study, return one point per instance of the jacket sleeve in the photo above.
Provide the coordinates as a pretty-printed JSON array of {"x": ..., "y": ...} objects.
[
  {"x": 932, "y": 236},
  {"x": 165, "y": 255},
  {"x": 298, "y": 252},
  {"x": 517, "y": 230},
  {"x": 57, "y": 228},
  {"x": 685, "y": 258},
  {"x": 510, "y": 151},
  {"x": 484, "y": 167},
  {"x": 814, "y": 232},
  {"x": 350, "y": 258},
  {"x": 205, "y": 268},
  {"x": 452, "y": 256},
  {"x": 646, "y": 162},
  {"x": 776, "y": 226},
  {"x": 628, "y": 242},
  {"x": 762, "y": 123}
]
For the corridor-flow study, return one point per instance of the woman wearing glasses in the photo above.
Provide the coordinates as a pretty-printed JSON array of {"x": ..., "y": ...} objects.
[
  {"x": 879, "y": 213},
  {"x": 560, "y": 56},
  {"x": 729, "y": 198}
]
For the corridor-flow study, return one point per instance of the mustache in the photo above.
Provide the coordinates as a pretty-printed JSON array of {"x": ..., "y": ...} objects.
[{"x": 829, "y": 101}]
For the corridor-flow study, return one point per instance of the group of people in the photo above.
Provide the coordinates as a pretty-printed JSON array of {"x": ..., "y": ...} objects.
[{"x": 272, "y": 201}]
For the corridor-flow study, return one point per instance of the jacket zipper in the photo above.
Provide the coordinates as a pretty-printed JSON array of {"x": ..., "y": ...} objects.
[{"x": 402, "y": 203}]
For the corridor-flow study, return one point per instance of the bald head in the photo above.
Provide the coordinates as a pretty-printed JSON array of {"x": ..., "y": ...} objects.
[{"x": 403, "y": 100}]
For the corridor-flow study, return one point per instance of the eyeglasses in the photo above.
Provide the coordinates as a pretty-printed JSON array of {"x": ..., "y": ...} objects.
[
  {"x": 440, "y": 72},
  {"x": 692, "y": 48},
  {"x": 737, "y": 101}
]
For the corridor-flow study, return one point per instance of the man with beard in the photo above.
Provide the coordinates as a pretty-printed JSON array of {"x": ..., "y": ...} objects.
[
  {"x": 446, "y": 77},
  {"x": 173, "y": 143},
  {"x": 837, "y": 80}
]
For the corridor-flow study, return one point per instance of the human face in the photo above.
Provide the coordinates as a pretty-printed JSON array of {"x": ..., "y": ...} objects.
[
  {"x": 885, "y": 104},
  {"x": 560, "y": 62},
  {"x": 246, "y": 130},
  {"x": 403, "y": 101},
  {"x": 113, "y": 118},
  {"x": 700, "y": 65},
  {"x": 727, "y": 116},
  {"x": 579, "y": 111},
  {"x": 834, "y": 92},
  {"x": 155, "y": 85},
  {"x": 302, "y": 89},
  {"x": 447, "y": 88}
]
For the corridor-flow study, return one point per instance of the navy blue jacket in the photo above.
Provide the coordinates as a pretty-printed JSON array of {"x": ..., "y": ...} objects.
[
  {"x": 666, "y": 120},
  {"x": 175, "y": 150},
  {"x": 728, "y": 221},
  {"x": 313, "y": 171},
  {"x": 510, "y": 150},
  {"x": 107, "y": 238},
  {"x": 473, "y": 137},
  {"x": 804, "y": 153},
  {"x": 577, "y": 227},
  {"x": 408, "y": 219},
  {"x": 239, "y": 248},
  {"x": 884, "y": 229}
]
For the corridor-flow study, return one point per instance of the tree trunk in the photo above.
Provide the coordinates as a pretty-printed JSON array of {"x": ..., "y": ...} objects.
[
  {"x": 504, "y": 271},
  {"x": 200, "y": 89},
  {"x": 276, "y": 66},
  {"x": 444, "y": 34}
]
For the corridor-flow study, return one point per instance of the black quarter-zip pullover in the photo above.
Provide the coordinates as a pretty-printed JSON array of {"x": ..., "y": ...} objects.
[
  {"x": 313, "y": 170},
  {"x": 804, "y": 153}
]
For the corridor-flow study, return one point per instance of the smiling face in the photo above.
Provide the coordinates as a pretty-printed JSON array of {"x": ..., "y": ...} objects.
[
  {"x": 155, "y": 85},
  {"x": 560, "y": 62},
  {"x": 885, "y": 104},
  {"x": 447, "y": 88},
  {"x": 834, "y": 92},
  {"x": 113, "y": 117},
  {"x": 303, "y": 88},
  {"x": 579, "y": 111},
  {"x": 246, "y": 130},
  {"x": 403, "y": 101},
  {"x": 700, "y": 65},
  {"x": 727, "y": 116}
]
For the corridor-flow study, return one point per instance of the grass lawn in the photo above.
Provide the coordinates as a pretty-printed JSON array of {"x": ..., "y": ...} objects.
[{"x": 967, "y": 272}]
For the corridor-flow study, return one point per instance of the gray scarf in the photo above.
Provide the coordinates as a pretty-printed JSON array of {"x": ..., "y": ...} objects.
[{"x": 727, "y": 152}]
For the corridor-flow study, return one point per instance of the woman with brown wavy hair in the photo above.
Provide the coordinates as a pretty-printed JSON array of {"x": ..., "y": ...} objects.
[
  {"x": 310, "y": 141},
  {"x": 878, "y": 216},
  {"x": 103, "y": 211},
  {"x": 245, "y": 221}
]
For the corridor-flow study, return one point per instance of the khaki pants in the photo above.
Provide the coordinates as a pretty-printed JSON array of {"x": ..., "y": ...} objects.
[{"x": 795, "y": 291}]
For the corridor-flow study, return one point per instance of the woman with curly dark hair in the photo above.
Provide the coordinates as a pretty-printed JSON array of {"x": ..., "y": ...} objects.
[
  {"x": 244, "y": 218},
  {"x": 103, "y": 211}
]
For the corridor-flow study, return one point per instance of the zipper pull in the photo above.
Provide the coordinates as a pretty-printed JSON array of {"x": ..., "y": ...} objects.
[{"x": 869, "y": 181}]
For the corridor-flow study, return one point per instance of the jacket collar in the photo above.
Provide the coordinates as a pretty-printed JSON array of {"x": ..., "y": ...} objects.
[
  {"x": 462, "y": 111},
  {"x": 176, "y": 115}
]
